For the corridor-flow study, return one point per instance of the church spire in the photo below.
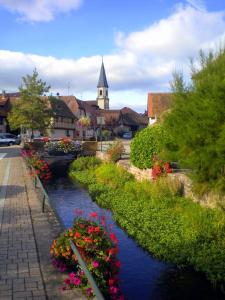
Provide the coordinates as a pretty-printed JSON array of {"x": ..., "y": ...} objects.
[
  {"x": 102, "y": 82},
  {"x": 102, "y": 98}
]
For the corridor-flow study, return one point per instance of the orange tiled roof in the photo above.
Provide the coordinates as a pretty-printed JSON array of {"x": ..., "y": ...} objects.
[{"x": 158, "y": 103}]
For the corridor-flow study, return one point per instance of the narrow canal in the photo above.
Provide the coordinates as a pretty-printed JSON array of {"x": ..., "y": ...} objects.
[{"x": 142, "y": 276}]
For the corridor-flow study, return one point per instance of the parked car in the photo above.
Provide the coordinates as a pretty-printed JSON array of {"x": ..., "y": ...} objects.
[
  {"x": 9, "y": 139},
  {"x": 127, "y": 135}
]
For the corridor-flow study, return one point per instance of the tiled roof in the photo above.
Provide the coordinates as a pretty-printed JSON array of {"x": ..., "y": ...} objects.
[
  {"x": 102, "y": 82},
  {"x": 132, "y": 118},
  {"x": 158, "y": 103},
  {"x": 72, "y": 102},
  {"x": 111, "y": 117},
  {"x": 61, "y": 109}
]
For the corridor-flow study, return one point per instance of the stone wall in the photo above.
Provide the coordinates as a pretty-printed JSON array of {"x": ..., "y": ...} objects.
[{"x": 209, "y": 199}]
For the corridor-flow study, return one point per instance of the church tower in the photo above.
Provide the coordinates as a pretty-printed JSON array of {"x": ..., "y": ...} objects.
[{"x": 102, "y": 98}]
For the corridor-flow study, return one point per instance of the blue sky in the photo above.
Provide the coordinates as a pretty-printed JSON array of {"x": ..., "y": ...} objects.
[{"x": 142, "y": 43}]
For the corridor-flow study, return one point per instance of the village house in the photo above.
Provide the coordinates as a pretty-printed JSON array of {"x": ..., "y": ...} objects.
[
  {"x": 117, "y": 121},
  {"x": 68, "y": 110},
  {"x": 62, "y": 124},
  {"x": 158, "y": 103}
]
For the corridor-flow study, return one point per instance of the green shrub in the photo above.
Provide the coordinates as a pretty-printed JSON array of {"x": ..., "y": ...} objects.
[
  {"x": 112, "y": 175},
  {"x": 85, "y": 177},
  {"x": 146, "y": 144},
  {"x": 85, "y": 163},
  {"x": 97, "y": 189}
]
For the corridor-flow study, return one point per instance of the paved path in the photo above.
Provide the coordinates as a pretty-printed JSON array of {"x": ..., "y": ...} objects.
[{"x": 25, "y": 236}]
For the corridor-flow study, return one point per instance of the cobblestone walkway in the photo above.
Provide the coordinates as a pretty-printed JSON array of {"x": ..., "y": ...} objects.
[{"x": 25, "y": 238}]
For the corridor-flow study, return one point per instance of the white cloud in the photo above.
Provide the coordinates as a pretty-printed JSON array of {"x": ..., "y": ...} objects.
[
  {"x": 143, "y": 61},
  {"x": 39, "y": 10}
]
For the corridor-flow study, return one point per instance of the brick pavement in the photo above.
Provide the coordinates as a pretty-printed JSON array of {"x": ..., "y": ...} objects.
[{"x": 25, "y": 238}]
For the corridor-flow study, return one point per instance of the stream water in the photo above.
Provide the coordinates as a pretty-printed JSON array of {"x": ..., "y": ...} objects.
[{"x": 142, "y": 276}]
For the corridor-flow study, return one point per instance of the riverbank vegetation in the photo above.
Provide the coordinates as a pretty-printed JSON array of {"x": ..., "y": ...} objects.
[
  {"x": 192, "y": 131},
  {"x": 168, "y": 225}
]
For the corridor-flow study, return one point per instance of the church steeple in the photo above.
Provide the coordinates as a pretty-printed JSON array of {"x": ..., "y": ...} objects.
[{"x": 102, "y": 98}]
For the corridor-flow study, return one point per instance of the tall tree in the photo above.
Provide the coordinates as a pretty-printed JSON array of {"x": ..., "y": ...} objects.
[
  {"x": 32, "y": 110},
  {"x": 197, "y": 119}
]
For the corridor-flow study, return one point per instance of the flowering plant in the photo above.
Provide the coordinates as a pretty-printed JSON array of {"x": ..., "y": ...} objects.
[
  {"x": 84, "y": 121},
  {"x": 97, "y": 247},
  {"x": 41, "y": 168},
  {"x": 160, "y": 168},
  {"x": 64, "y": 146}
]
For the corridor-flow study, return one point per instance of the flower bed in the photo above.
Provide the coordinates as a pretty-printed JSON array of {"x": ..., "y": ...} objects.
[
  {"x": 40, "y": 167},
  {"x": 98, "y": 248},
  {"x": 63, "y": 147}
]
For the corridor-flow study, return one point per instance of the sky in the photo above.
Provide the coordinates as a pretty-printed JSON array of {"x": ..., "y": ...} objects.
[{"x": 142, "y": 43}]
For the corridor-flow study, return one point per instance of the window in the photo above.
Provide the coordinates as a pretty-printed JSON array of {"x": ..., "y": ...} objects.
[
  {"x": 100, "y": 92},
  {"x": 106, "y": 93},
  {"x": 71, "y": 121},
  {"x": 67, "y": 133},
  {"x": 1, "y": 120},
  {"x": 61, "y": 119}
]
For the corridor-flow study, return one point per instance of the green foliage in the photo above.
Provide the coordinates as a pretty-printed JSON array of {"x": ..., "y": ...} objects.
[
  {"x": 31, "y": 111},
  {"x": 85, "y": 163},
  {"x": 146, "y": 144},
  {"x": 106, "y": 134},
  {"x": 96, "y": 189},
  {"x": 112, "y": 175},
  {"x": 177, "y": 229},
  {"x": 115, "y": 150},
  {"x": 196, "y": 122},
  {"x": 85, "y": 177}
]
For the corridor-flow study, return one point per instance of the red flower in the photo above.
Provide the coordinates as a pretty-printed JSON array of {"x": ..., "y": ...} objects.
[
  {"x": 111, "y": 281},
  {"x": 118, "y": 264},
  {"x": 113, "y": 237},
  {"x": 91, "y": 229},
  {"x": 77, "y": 234},
  {"x": 97, "y": 229},
  {"x": 93, "y": 215}
]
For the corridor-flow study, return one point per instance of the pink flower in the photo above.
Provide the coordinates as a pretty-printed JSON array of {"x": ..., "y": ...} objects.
[
  {"x": 93, "y": 215},
  {"x": 118, "y": 264},
  {"x": 113, "y": 290},
  {"x": 89, "y": 291},
  {"x": 95, "y": 264},
  {"x": 72, "y": 276},
  {"x": 103, "y": 219},
  {"x": 77, "y": 281}
]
